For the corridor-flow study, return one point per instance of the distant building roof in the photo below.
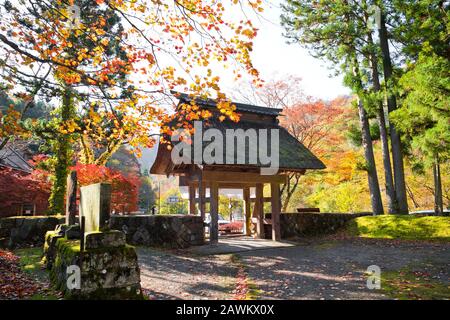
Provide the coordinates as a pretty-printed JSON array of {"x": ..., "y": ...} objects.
[{"x": 11, "y": 158}]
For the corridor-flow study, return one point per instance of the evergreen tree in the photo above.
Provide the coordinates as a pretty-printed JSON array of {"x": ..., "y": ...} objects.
[
  {"x": 333, "y": 30},
  {"x": 424, "y": 116}
]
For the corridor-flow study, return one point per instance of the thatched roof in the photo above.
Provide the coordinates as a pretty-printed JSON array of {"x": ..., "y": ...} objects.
[
  {"x": 293, "y": 156},
  {"x": 240, "y": 107}
]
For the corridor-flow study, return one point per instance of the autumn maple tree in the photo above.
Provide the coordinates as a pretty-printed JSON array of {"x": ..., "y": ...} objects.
[
  {"x": 108, "y": 65},
  {"x": 124, "y": 187},
  {"x": 311, "y": 123}
]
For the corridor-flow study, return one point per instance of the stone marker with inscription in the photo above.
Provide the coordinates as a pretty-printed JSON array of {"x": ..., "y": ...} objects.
[{"x": 95, "y": 206}]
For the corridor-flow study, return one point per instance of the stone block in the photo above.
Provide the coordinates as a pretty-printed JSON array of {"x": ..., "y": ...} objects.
[
  {"x": 106, "y": 273},
  {"x": 61, "y": 229},
  {"x": 50, "y": 246},
  {"x": 108, "y": 239},
  {"x": 141, "y": 236},
  {"x": 73, "y": 232}
]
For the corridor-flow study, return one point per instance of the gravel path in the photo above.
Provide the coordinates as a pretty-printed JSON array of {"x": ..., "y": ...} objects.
[
  {"x": 328, "y": 270},
  {"x": 337, "y": 270}
]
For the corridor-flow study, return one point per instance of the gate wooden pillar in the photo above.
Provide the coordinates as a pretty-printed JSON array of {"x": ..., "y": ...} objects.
[
  {"x": 192, "y": 199},
  {"x": 214, "y": 212},
  {"x": 201, "y": 198},
  {"x": 248, "y": 217},
  {"x": 259, "y": 210},
  {"x": 276, "y": 209}
]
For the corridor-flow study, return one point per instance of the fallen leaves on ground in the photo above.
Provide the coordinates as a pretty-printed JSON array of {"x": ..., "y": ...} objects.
[
  {"x": 14, "y": 283},
  {"x": 241, "y": 290}
]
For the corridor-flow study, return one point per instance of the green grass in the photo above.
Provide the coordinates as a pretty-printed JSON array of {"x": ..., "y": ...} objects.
[
  {"x": 30, "y": 260},
  {"x": 409, "y": 285},
  {"x": 401, "y": 227},
  {"x": 30, "y": 263}
]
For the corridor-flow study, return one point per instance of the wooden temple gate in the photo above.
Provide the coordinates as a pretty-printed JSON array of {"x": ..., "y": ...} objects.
[{"x": 293, "y": 157}]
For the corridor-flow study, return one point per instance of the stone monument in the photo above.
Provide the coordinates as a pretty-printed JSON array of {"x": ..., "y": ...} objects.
[
  {"x": 96, "y": 206},
  {"x": 108, "y": 266}
]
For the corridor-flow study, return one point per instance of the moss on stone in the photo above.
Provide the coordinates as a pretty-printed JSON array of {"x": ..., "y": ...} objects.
[
  {"x": 125, "y": 249},
  {"x": 68, "y": 246},
  {"x": 98, "y": 266},
  {"x": 48, "y": 236}
]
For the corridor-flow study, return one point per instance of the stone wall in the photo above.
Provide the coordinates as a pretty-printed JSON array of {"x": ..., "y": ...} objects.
[
  {"x": 171, "y": 231},
  {"x": 301, "y": 224},
  {"x": 26, "y": 231}
]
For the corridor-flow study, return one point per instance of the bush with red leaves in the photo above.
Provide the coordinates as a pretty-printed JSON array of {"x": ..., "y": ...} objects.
[
  {"x": 232, "y": 227},
  {"x": 125, "y": 188}
]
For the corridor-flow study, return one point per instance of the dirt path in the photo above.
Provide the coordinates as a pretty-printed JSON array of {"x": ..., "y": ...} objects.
[
  {"x": 172, "y": 275},
  {"x": 329, "y": 270}
]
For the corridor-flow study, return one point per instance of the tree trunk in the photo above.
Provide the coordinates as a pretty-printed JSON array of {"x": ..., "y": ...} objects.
[
  {"x": 389, "y": 183},
  {"x": 289, "y": 189},
  {"x": 87, "y": 153},
  {"x": 438, "y": 203},
  {"x": 63, "y": 154},
  {"x": 397, "y": 154},
  {"x": 374, "y": 188},
  {"x": 71, "y": 198},
  {"x": 411, "y": 196},
  {"x": 286, "y": 202},
  {"x": 110, "y": 150}
]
